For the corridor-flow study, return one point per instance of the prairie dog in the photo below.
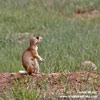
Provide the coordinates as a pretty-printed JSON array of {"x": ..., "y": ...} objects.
[
  {"x": 30, "y": 56},
  {"x": 89, "y": 64}
]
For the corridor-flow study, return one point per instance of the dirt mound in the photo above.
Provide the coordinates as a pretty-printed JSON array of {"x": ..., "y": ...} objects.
[
  {"x": 60, "y": 82},
  {"x": 87, "y": 13}
]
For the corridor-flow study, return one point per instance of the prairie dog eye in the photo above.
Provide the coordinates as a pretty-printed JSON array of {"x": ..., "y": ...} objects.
[{"x": 37, "y": 37}]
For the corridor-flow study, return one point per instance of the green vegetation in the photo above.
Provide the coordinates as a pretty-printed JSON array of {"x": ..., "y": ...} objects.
[
  {"x": 22, "y": 91},
  {"x": 69, "y": 38}
]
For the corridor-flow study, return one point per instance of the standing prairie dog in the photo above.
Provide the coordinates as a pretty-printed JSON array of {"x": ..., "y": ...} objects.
[{"x": 30, "y": 56}]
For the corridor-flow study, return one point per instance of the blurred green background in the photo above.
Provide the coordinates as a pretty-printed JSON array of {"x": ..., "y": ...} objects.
[{"x": 70, "y": 29}]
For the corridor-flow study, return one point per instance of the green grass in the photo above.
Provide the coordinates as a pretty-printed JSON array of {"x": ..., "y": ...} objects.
[
  {"x": 68, "y": 40},
  {"x": 22, "y": 91}
]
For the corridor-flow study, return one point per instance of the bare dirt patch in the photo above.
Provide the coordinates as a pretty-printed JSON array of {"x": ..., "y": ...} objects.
[
  {"x": 60, "y": 83},
  {"x": 83, "y": 14},
  {"x": 87, "y": 13}
]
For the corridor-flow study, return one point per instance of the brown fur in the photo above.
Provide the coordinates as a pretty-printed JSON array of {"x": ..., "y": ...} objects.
[{"x": 30, "y": 56}]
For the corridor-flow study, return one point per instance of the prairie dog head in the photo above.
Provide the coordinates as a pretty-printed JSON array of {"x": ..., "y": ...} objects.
[{"x": 35, "y": 40}]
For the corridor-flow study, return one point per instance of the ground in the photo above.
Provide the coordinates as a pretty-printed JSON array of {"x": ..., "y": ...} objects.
[{"x": 60, "y": 83}]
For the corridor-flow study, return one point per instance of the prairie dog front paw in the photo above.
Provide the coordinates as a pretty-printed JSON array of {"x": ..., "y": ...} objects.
[{"x": 42, "y": 60}]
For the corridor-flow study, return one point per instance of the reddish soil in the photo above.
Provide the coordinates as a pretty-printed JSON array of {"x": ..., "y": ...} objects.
[
  {"x": 58, "y": 82},
  {"x": 83, "y": 14},
  {"x": 87, "y": 14},
  {"x": 89, "y": 11}
]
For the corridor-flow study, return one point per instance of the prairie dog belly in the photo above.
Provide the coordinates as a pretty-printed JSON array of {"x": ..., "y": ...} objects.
[
  {"x": 30, "y": 63},
  {"x": 33, "y": 66}
]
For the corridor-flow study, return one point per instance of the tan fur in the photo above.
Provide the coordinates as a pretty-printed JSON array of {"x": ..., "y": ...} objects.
[{"x": 30, "y": 56}]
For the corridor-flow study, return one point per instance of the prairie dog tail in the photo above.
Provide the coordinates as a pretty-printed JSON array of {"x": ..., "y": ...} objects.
[
  {"x": 89, "y": 64},
  {"x": 22, "y": 72}
]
